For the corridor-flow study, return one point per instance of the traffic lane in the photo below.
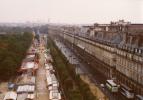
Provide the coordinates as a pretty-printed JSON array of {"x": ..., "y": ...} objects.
[
  {"x": 69, "y": 55},
  {"x": 96, "y": 78},
  {"x": 100, "y": 79},
  {"x": 67, "y": 51}
]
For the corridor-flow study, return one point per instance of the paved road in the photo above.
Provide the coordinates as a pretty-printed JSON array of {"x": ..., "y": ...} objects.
[
  {"x": 42, "y": 92},
  {"x": 96, "y": 79}
]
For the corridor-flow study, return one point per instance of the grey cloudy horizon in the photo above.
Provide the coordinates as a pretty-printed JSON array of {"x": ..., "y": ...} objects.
[{"x": 71, "y": 11}]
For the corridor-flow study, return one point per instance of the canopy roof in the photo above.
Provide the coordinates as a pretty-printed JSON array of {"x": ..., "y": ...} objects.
[
  {"x": 27, "y": 65},
  {"x": 10, "y": 95}
]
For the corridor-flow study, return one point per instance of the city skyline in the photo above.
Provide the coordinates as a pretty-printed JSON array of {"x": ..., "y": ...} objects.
[{"x": 71, "y": 11}]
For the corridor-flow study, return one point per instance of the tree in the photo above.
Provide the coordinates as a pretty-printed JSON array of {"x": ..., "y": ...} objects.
[{"x": 12, "y": 51}]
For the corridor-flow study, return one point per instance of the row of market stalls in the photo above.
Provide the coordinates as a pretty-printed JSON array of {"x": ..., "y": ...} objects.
[
  {"x": 52, "y": 81},
  {"x": 31, "y": 61},
  {"x": 24, "y": 88},
  {"x": 27, "y": 81}
]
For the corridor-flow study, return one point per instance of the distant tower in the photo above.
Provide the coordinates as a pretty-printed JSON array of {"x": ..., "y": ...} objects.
[{"x": 38, "y": 32}]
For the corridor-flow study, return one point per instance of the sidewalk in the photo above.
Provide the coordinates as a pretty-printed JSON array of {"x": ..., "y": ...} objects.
[{"x": 94, "y": 89}]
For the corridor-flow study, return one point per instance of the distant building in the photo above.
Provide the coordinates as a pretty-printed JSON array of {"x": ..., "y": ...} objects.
[
  {"x": 119, "y": 45},
  {"x": 3, "y": 33}
]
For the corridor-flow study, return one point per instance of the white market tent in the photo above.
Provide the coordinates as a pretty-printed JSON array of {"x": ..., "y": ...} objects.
[
  {"x": 10, "y": 96},
  {"x": 54, "y": 95},
  {"x": 48, "y": 74},
  {"x": 31, "y": 96},
  {"x": 53, "y": 87},
  {"x": 22, "y": 96},
  {"x": 25, "y": 96},
  {"x": 30, "y": 56},
  {"x": 47, "y": 66},
  {"x": 26, "y": 79},
  {"x": 48, "y": 57},
  {"x": 25, "y": 89},
  {"x": 28, "y": 65},
  {"x": 35, "y": 66},
  {"x": 51, "y": 79}
]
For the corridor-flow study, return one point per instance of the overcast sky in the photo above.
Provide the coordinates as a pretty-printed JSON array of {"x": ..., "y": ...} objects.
[{"x": 71, "y": 11}]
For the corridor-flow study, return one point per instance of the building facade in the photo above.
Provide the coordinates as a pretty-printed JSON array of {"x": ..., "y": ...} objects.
[{"x": 119, "y": 46}]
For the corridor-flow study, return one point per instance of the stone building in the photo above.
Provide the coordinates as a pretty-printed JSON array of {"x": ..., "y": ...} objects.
[
  {"x": 119, "y": 46},
  {"x": 129, "y": 59}
]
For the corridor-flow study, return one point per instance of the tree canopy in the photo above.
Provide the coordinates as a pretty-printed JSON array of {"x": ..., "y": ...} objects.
[{"x": 13, "y": 49}]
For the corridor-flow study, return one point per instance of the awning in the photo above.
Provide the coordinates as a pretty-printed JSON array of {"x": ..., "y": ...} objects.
[
  {"x": 10, "y": 95},
  {"x": 54, "y": 95},
  {"x": 26, "y": 89},
  {"x": 28, "y": 65}
]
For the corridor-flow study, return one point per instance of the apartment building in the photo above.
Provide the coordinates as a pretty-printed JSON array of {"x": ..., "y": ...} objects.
[
  {"x": 119, "y": 45},
  {"x": 129, "y": 60}
]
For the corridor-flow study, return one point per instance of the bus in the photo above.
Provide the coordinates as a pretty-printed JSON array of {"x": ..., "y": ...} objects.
[
  {"x": 126, "y": 91},
  {"x": 139, "y": 97},
  {"x": 112, "y": 86}
]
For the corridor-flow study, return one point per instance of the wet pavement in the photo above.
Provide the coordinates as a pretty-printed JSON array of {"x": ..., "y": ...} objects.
[{"x": 82, "y": 66}]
